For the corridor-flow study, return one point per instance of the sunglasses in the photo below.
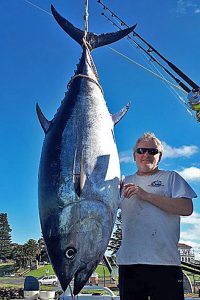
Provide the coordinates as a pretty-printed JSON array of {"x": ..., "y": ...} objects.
[{"x": 151, "y": 151}]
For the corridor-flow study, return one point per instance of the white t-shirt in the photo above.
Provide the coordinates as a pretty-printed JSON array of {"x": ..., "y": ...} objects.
[{"x": 149, "y": 234}]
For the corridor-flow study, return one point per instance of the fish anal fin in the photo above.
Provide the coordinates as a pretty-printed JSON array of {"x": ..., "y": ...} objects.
[
  {"x": 119, "y": 115},
  {"x": 43, "y": 121}
]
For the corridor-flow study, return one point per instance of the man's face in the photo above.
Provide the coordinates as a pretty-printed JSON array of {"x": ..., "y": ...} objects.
[{"x": 147, "y": 163}]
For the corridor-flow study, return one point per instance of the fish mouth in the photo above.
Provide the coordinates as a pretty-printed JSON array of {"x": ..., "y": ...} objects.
[
  {"x": 64, "y": 285},
  {"x": 81, "y": 276}
]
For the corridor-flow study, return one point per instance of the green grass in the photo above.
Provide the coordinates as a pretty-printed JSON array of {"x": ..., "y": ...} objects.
[
  {"x": 47, "y": 288},
  {"x": 6, "y": 278},
  {"x": 41, "y": 271},
  {"x": 101, "y": 269},
  {"x": 11, "y": 286}
]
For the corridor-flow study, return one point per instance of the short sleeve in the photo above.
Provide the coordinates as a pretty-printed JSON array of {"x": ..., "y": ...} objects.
[{"x": 180, "y": 188}]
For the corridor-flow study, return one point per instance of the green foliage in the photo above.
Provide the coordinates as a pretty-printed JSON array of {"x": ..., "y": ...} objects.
[
  {"x": 25, "y": 255},
  {"x": 43, "y": 254},
  {"x": 6, "y": 268},
  {"x": 5, "y": 237}
]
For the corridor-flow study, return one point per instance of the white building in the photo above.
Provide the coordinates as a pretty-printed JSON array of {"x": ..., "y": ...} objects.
[{"x": 186, "y": 253}]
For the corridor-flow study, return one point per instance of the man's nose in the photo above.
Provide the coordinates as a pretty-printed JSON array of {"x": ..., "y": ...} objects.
[{"x": 146, "y": 153}]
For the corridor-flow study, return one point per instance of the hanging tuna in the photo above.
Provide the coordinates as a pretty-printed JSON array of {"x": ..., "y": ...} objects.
[{"x": 79, "y": 173}]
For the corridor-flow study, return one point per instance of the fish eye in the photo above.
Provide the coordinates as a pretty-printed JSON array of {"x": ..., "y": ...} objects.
[{"x": 70, "y": 252}]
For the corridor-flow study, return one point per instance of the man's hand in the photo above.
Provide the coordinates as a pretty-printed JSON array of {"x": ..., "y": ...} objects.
[{"x": 131, "y": 189}]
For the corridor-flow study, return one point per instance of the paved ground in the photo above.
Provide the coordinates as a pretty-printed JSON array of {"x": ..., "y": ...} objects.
[{"x": 12, "y": 280}]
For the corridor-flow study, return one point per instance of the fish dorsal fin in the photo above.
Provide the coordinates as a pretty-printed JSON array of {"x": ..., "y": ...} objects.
[
  {"x": 93, "y": 39},
  {"x": 119, "y": 115},
  {"x": 43, "y": 121}
]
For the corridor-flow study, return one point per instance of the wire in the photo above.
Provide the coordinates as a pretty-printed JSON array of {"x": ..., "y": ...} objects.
[
  {"x": 145, "y": 55},
  {"x": 38, "y": 7},
  {"x": 146, "y": 69},
  {"x": 168, "y": 84}
]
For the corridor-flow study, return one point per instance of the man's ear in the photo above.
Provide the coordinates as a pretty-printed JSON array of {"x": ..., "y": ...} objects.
[{"x": 160, "y": 156}]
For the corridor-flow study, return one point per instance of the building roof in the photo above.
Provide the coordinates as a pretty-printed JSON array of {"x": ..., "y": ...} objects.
[{"x": 181, "y": 245}]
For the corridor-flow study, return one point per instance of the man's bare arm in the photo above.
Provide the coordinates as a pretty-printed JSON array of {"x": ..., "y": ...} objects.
[{"x": 176, "y": 206}]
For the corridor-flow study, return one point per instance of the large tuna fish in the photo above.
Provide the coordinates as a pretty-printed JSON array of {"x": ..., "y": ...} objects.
[{"x": 79, "y": 172}]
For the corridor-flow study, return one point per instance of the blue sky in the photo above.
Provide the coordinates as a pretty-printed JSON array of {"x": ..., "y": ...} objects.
[{"x": 37, "y": 61}]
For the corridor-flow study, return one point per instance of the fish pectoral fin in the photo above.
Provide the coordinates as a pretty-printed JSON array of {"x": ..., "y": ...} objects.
[
  {"x": 93, "y": 39},
  {"x": 82, "y": 174},
  {"x": 80, "y": 178},
  {"x": 43, "y": 121},
  {"x": 119, "y": 115}
]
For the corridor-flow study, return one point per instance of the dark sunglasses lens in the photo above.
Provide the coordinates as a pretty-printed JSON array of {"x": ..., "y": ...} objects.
[
  {"x": 151, "y": 151},
  {"x": 140, "y": 150}
]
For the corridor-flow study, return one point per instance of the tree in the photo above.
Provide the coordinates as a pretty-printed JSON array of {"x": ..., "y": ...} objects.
[
  {"x": 25, "y": 255},
  {"x": 5, "y": 237},
  {"x": 31, "y": 250},
  {"x": 43, "y": 254},
  {"x": 19, "y": 256},
  {"x": 116, "y": 238}
]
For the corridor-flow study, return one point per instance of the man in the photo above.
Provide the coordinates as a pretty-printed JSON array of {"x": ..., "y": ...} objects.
[{"x": 154, "y": 200}]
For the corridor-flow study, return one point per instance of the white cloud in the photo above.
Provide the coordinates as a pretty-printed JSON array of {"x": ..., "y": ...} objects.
[
  {"x": 169, "y": 152},
  {"x": 188, "y": 7},
  {"x": 183, "y": 151},
  {"x": 190, "y": 174},
  {"x": 191, "y": 236},
  {"x": 126, "y": 156},
  {"x": 181, "y": 7},
  {"x": 194, "y": 219}
]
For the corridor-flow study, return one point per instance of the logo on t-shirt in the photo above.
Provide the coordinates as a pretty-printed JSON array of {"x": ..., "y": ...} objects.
[{"x": 156, "y": 183}]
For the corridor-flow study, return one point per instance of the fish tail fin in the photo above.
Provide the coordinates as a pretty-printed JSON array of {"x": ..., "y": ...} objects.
[{"x": 93, "y": 39}]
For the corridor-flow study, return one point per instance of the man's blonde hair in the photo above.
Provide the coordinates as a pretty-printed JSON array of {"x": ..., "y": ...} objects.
[{"x": 148, "y": 136}]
